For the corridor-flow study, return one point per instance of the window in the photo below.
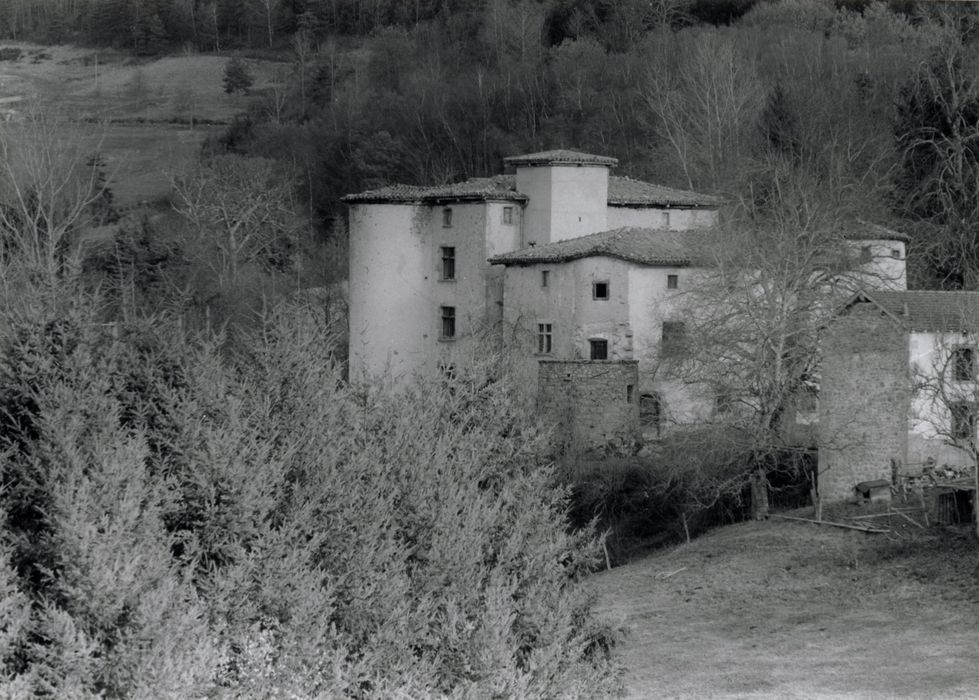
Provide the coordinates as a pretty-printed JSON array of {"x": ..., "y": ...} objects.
[
  {"x": 964, "y": 364},
  {"x": 599, "y": 290},
  {"x": 866, "y": 254},
  {"x": 507, "y": 215},
  {"x": 544, "y": 277},
  {"x": 672, "y": 281},
  {"x": 896, "y": 253},
  {"x": 629, "y": 391},
  {"x": 447, "y": 217},
  {"x": 448, "y": 322},
  {"x": 650, "y": 412},
  {"x": 963, "y": 420},
  {"x": 674, "y": 338},
  {"x": 598, "y": 349},
  {"x": 448, "y": 263},
  {"x": 544, "y": 338}
]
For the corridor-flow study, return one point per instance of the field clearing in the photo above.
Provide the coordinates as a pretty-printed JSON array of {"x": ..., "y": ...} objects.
[
  {"x": 134, "y": 103},
  {"x": 791, "y": 610}
]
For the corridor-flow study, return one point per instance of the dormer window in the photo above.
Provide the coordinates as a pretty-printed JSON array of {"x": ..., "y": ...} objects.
[
  {"x": 447, "y": 217},
  {"x": 599, "y": 290}
]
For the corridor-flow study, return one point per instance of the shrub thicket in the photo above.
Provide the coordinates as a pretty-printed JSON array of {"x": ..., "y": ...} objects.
[{"x": 182, "y": 524}]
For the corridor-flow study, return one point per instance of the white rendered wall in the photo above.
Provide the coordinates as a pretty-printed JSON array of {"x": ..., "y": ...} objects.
[
  {"x": 672, "y": 218},
  {"x": 565, "y": 201},
  {"x": 396, "y": 290},
  {"x": 389, "y": 311},
  {"x": 528, "y": 303},
  {"x": 641, "y": 217},
  {"x": 651, "y": 303},
  {"x": 887, "y": 268},
  {"x": 930, "y": 418}
]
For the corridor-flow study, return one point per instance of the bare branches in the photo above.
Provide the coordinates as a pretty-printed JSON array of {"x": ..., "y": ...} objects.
[
  {"x": 49, "y": 180},
  {"x": 239, "y": 210}
]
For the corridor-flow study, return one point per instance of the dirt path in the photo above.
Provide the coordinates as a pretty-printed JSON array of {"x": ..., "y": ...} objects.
[{"x": 790, "y": 610}]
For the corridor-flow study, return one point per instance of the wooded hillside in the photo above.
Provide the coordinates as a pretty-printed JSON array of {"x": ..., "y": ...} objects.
[{"x": 874, "y": 103}]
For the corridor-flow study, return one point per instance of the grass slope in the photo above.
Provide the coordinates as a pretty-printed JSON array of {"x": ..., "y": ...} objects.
[
  {"x": 779, "y": 609},
  {"x": 133, "y": 101}
]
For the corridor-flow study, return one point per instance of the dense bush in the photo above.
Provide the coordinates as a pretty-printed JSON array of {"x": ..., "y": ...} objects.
[{"x": 182, "y": 524}]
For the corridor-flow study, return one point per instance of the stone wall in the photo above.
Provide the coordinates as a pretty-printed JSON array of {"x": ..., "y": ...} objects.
[
  {"x": 589, "y": 402},
  {"x": 864, "y": 401}
]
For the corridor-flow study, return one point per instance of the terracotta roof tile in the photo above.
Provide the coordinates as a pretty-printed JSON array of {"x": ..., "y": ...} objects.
[
  {"x": 860, "y": 230},
  {"x": 624, "y": 191},
  {"x": 560, "y": 157},
  {"x": 924, "y": 310},
  {"x": 641, "y": 245},
  {"x": 500, "y": 187}
]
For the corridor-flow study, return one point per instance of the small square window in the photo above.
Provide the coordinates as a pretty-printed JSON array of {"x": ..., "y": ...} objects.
[
  {"x": 674, "y": 338},
  {"x": 599, "y": 290},
  {"x": 598, "y": 349},
  {"x": 448, "y": 322},
  {"x": 544, "y": 338},
  {"x": 896, "y": 253},
  {"x": 507, "y": 215},
  {"x": 672, "y": 281},
  {"x": 447, "y": 217},
  {"x": 544, "y": 277},
  {"x": 448, "y": 263},
  {"x": 964, "y": 364}
]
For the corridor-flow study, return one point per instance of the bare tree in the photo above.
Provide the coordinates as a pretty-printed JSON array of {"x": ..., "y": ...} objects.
[
  {"x": 705, "y": 101},
  {"x": 775, "y": 274},
  {"x": 241, "y": 210},
  {"x": 945, "y": 383},
  {"x": 49, "y": 180}
]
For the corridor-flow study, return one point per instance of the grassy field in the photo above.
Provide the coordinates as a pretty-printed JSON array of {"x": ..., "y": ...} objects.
[
  {"x": 778, "y": 609},
  {"x": 133, "y": 103}
]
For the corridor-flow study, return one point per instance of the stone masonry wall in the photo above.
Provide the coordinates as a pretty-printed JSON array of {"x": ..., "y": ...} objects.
[
  {"x": 590, "y": 402},
  {"x": 864, "y": 401}
]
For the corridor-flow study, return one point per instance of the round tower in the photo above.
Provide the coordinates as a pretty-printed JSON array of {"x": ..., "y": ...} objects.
[{"x": 881, "y": 256}]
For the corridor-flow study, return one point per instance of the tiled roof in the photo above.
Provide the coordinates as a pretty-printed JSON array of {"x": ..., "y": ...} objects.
[
  {"x": 641, "y": 245},
  {"x": 624, "y": 191},
  {"x": 477, "y": 188},
  {"x": 922, "y": 310},
  {"x": 864, "y": 230},
  {"x": 561, "y": 157}
]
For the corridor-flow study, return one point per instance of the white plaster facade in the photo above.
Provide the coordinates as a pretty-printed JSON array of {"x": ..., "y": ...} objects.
[
  {"x": 398, "y": 233},
  {"x": 621, "y": 233}
]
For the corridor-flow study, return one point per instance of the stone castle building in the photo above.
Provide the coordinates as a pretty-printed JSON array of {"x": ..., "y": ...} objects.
[{"x": 574, "y": 271}]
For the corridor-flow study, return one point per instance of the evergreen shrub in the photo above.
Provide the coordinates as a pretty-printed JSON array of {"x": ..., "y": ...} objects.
[{"x": 181, "y": 521}]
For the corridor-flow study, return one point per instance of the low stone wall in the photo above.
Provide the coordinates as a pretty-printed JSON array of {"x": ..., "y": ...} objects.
[{"x": 590, "y": 402}]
